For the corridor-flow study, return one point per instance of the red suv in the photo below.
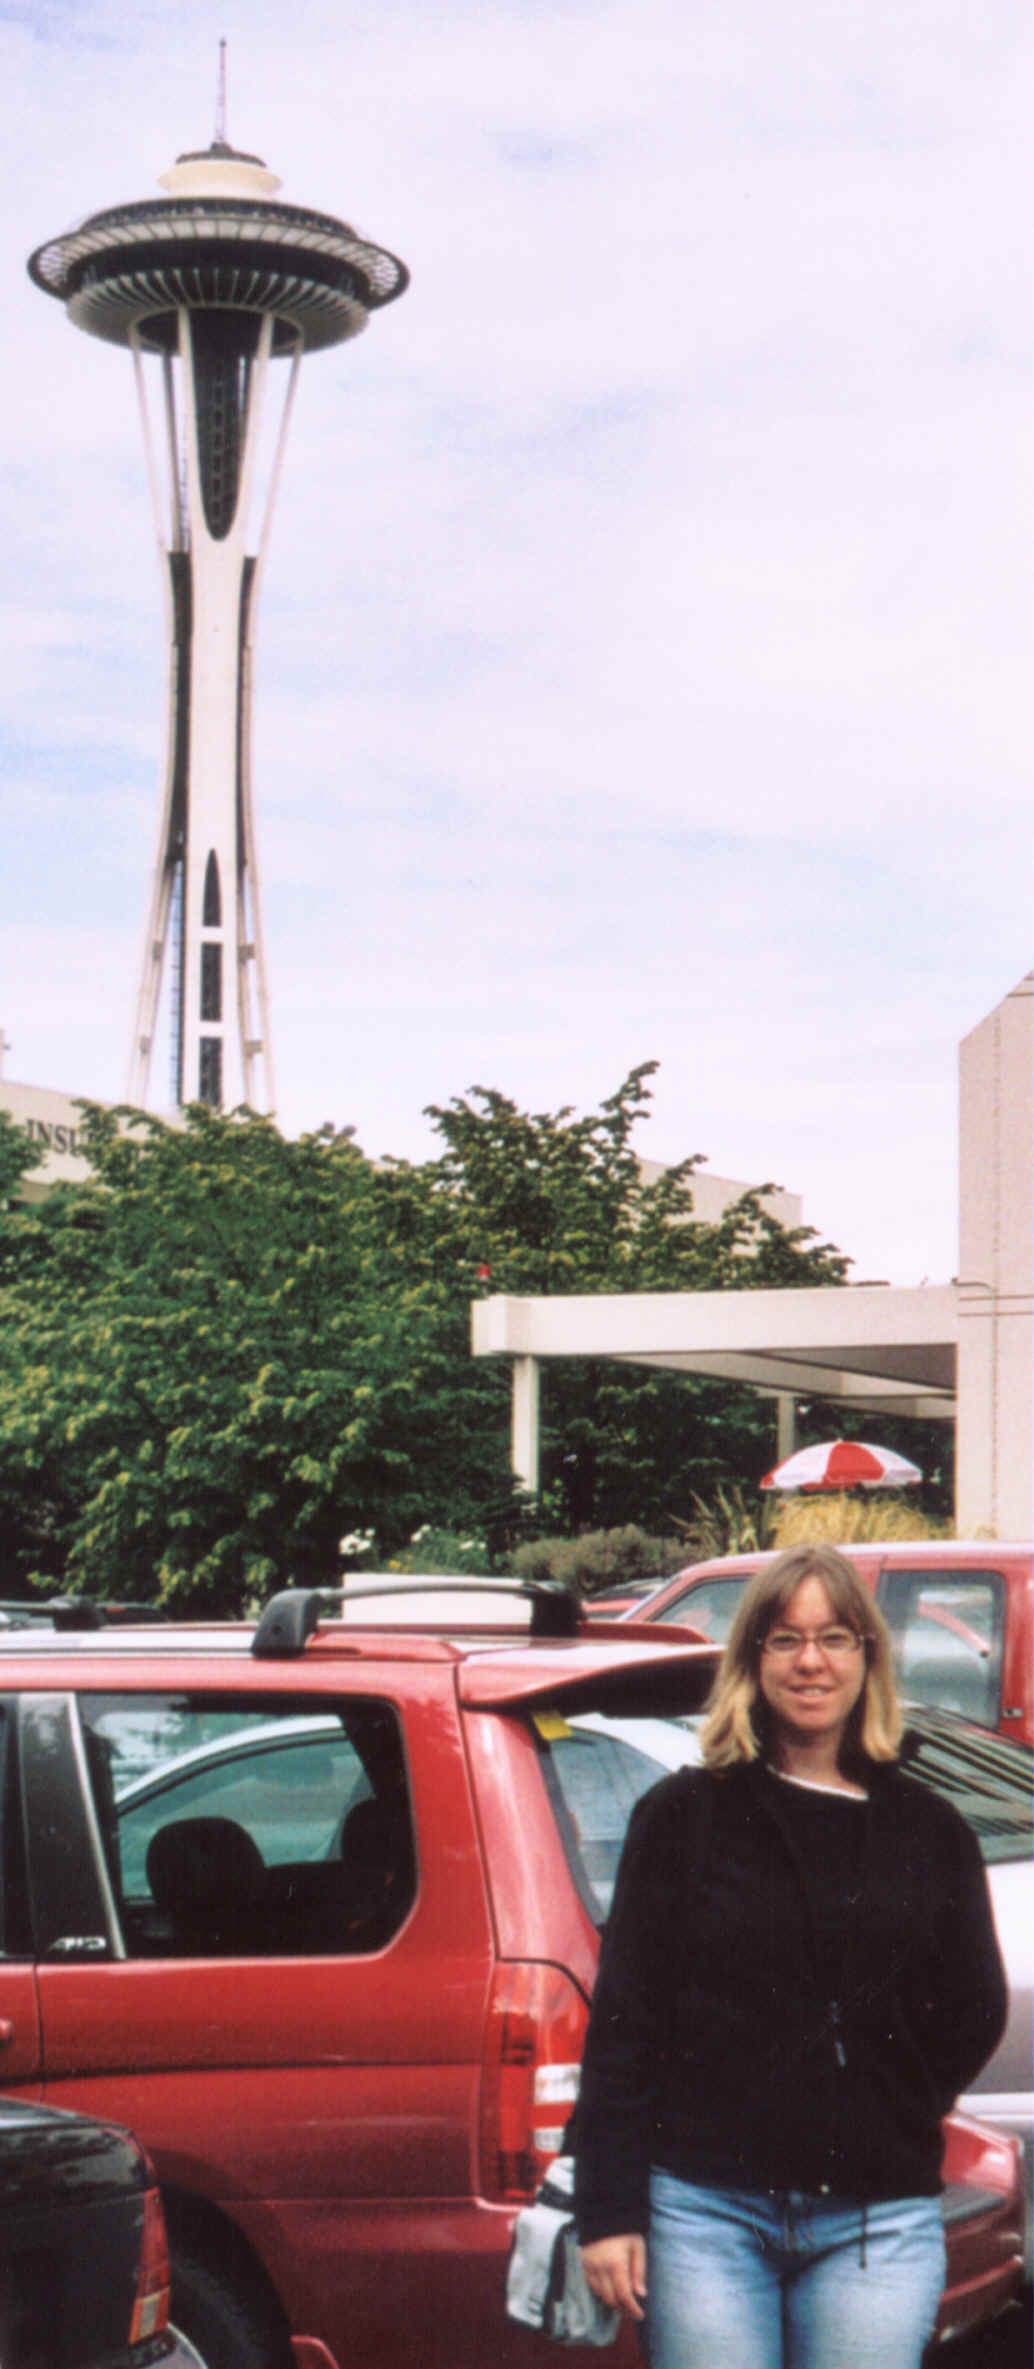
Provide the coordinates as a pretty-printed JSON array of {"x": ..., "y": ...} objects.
[
  {"x": 315, "y": 1909},
  {"x": 959, "y": 1612}
]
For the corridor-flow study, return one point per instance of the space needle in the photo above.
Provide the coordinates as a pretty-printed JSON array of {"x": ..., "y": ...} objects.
[{"x": 208, "y": 287}]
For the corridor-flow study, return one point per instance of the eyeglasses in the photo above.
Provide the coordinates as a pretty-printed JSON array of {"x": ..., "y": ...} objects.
[{"x": 836, "y": 1644}]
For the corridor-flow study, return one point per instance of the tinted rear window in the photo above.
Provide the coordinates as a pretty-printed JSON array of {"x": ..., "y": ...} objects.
[
  {"x": 597, "y": 1767},
  {"x": 988, "y": 1778}
]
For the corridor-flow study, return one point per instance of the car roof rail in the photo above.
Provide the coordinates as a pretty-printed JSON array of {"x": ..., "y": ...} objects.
[
  {"x": 289, "y": 1619},
  {"x": 75, "y": 1612}
]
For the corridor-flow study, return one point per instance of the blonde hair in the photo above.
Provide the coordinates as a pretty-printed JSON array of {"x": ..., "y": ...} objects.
[{"x": 737, "y": 1724}]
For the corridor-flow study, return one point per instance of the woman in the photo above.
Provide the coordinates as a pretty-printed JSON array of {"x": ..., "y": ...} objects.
[{"x": 798, "y": 1977}]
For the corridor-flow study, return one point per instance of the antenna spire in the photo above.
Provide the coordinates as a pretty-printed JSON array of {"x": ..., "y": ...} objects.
[{"x": 220, "y": 103}]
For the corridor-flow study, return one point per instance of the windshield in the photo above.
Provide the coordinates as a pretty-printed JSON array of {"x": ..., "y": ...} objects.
[{"x": 597, "y": 1767}]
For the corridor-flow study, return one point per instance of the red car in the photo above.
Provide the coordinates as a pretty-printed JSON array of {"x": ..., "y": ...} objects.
[
  {"x": 315, "y": 1909},
  {"x": 959, "y": 1610}
]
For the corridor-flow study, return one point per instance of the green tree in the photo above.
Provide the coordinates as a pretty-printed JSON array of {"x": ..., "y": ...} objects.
[
  {"x": 228, "y": 1350},
  {"x": 221, "y": 1355},
  {"x": 38, "y": 1495}
]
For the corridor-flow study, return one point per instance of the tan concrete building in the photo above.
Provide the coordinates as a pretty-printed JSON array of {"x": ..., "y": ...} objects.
[
  {"x": 53, "y": 1122},
  {"x": 713, "y": 1195}
]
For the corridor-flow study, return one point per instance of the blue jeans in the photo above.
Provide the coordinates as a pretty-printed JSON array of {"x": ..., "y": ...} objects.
[{"x": 755, "y": 2279}]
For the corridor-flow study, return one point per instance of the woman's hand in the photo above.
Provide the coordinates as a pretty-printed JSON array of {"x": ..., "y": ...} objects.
[{"x": 615, "y": 2268}]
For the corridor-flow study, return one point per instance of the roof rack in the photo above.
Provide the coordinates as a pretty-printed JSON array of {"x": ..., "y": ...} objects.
[
  {"x": 74, "y": 1612},
  {"x": 292, "y": 1615}
]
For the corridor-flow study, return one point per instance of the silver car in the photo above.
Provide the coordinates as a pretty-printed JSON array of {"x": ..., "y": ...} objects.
[{"x": 989, "y": 1779}]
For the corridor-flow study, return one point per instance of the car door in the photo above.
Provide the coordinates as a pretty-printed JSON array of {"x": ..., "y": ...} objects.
[
  {"x": 268, "y": 2028},
  {"x": 19, "y": 2007}
]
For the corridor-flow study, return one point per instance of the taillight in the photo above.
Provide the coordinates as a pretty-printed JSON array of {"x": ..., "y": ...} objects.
[
  {"x": 976, "y": 2157},
  {"x": 151, "y": 2305},
  {"x": 534, "y": 2035}
]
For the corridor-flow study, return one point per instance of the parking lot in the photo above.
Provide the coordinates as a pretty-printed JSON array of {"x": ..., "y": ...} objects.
[{"x": 409, "y": 1832}]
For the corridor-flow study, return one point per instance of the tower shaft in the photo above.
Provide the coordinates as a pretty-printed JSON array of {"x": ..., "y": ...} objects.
[{"x": 204, "y": 919}]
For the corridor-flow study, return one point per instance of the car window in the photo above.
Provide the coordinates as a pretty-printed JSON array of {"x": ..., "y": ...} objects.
[
  {"x": 258, "y": 1830},
  {"x": 987, "y": 1777},
  {"x": 596, "y": 1769},
  {"x": 710, "y": 1606},
  {"x": 947, "y": 1628}
]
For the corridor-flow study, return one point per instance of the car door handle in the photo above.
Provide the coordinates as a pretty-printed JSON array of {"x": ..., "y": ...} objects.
[{"x": 6, "y": 2031}]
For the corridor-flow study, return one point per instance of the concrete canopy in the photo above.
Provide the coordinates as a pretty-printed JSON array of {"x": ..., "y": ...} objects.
[{"x": 871, "y": 1346}]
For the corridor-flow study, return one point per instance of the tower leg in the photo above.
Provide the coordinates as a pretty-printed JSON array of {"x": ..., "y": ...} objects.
[
  {"x": 161, "y": 919},
  {"x": 138, "y": 1072}
]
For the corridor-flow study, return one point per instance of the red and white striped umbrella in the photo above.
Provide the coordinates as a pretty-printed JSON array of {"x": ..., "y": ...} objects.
[{"x": 843, "y": 1464}]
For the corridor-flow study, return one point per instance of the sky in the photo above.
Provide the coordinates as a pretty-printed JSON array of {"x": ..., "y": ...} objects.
[{"x": 643, "y": 661}]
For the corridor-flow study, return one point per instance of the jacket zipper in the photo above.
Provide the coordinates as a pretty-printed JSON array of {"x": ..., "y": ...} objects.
[{"x": 833, "y": 2010}]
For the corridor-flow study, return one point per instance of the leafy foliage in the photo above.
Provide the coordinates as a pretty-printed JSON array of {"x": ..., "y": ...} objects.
[
  {"x": 220, "y": 1355},
  {"x": 227, "y": 1349}
]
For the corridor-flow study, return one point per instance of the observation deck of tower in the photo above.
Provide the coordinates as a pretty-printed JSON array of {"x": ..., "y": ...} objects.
[{"x": 207, "y": 287}]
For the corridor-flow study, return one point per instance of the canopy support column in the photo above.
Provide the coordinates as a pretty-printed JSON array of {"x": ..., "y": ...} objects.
[
  {"x": 786, "y": 1425},
  {"x": 524, "y": 1424}
]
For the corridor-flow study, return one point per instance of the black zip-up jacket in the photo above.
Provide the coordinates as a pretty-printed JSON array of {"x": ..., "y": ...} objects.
[{"x": 716, "y": 2049}]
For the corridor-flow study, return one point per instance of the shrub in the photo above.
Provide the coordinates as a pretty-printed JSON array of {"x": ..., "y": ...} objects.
[
  {"x": 880, "y": 1514},
  {"x": 732, "y": 1522},
  {"x": 729, "y": 1524},
  {"x": 600, "y": 1558}
]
